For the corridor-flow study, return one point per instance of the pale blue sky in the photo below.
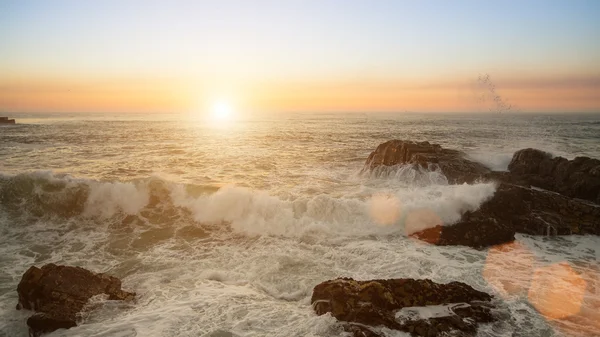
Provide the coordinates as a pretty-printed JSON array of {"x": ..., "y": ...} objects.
[
  {"x": 332, "y": 36},
  {"x": 323, "y": 40}
]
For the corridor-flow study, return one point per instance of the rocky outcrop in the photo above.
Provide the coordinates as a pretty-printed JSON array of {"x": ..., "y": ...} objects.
[
  {"x": 58, "y": 294},
  {"x": 538, "y": 212},
  {"x": 517, "y": 209},
  {"x": 5, "y": 120},
  {"x": 366, "y": 306},
  {"x": 452, "y": 163},
  {"x": 577, "y": 178},
  {"x": 515, "y": 206}
]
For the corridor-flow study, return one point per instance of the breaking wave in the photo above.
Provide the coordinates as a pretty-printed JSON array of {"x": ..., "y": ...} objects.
[{"x": 378, "y": 211}]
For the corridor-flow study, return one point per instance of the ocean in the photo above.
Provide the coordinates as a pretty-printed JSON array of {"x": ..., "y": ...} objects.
[{"x": 223, "y": 229}]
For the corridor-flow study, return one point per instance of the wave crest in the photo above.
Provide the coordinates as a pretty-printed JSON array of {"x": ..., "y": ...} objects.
[{"x": 379, "y": 211}]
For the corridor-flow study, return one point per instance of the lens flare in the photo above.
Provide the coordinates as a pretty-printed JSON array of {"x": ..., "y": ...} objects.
[
  {"x": 557, "y": 291},
  {"x": 420, "y": 219},
  {"x": 515, "y": 258},
  {"x": 384, "y": 209}
]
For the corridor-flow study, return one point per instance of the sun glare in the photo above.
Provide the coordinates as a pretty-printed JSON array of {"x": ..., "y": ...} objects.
[{"x": 221, "y": 111}]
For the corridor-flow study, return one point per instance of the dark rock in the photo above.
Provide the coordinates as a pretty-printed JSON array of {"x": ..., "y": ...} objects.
[
  {"x": 59, "y": 293},
  {"x": 472, "y": 232},
  {"x": 577, "y": 178},
  {"x": 538, "y": 212},
  {"x": 517, "y": 209},
  {"x": 527, "y": 161},
  {"x": 452, "y": 163},
  {"x": 41, "y": 323},
  {"x": 365, "y": 305}
]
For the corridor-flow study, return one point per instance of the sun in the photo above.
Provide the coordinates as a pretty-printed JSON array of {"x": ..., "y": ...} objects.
[{"x": 221, "y": 111}]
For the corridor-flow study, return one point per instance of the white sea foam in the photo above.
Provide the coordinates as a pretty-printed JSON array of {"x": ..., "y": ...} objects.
[
  {"x": 381, "y": 209},
  {"x": 106, "y": 199},
  {"x": 409, "y": 174},
  {"x": 242, "y": 260},
  {"x": 257, "y": 213}
]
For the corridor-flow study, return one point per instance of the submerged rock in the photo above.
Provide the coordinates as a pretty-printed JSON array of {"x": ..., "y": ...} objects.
[
  {"x": 452, "y": 163},
  {"x": 577, "y": 178},
  {"x": 366, "y": 306},
  {"x": 58, "y": 294}
]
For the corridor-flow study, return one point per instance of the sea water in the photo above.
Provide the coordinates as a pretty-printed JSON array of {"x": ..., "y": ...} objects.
[{"x": 223, "y": 229}]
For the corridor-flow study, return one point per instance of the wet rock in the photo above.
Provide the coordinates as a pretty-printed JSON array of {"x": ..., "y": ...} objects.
[
  {"x": 517, "y": 209},
  {"x": 58, "y": 294},
  {"x": 471, "y": 232},
  {"x": 366, "y": 306},
  {"x": 527, "y": 161},
  {"x": 41, "y": 323},
  {"x": 452, "y": 163},
  {"x": 577, "y": 178},
  {"x": 515, "y": 206},
  {"x": 538, "y": 212}
]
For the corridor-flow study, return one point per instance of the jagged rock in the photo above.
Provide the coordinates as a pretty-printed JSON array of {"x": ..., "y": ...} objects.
[
  {"x": 517, "y": 209},
  {"x": 539, "y": 212},
  {"x": 58, "y": 294},
  {"x": 577, "y": 178},
  {"x": 452, "y": 163},
  {"x": 364, "y": 306}
]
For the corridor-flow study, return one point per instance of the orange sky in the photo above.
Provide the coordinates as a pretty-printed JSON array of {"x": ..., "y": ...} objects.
[
  {"x": 171, "y": 95},
  {"x": 277, "y": 56}
]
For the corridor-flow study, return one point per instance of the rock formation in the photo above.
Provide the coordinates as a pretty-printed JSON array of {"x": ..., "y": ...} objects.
[
  {"x": 515, "y": 206},
  {"x": 58, "y": 294},
  {"x": 452, "y": 163},
  {"x": 366, "y": 306},
  {"x": 577, "y": 178}
]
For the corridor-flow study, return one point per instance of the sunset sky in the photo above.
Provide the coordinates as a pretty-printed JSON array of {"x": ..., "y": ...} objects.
[{"x": 288, "y": 55}]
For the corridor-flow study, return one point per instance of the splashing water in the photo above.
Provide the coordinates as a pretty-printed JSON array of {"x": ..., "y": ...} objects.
[
  {"x": 490, "y": 95},
  {"x": 226, "y": 232}
]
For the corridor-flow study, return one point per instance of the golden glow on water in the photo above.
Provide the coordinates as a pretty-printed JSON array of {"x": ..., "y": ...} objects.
[{"x": 295, "y": 211}]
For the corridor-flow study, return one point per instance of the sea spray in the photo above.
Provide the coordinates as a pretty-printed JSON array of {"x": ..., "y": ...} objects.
[
  {"x": 104, "y": 210},
  {"x": 489, "y": 95},
  {"x": 246, "y": 211}
]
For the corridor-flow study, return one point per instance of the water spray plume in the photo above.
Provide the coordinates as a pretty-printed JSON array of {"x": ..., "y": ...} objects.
[{"x": 490, "y": 94}]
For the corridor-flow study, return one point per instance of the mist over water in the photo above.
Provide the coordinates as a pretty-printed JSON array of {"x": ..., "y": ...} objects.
[{"x": 224, "y": 230}]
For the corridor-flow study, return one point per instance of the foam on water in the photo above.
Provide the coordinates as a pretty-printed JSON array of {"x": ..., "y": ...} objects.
[
  {"x": 106, "y": 199},
  {"x": 257, "y": 213},
  {"x": 250, "y": 211},
  {"x": 230, "y": 240}
]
